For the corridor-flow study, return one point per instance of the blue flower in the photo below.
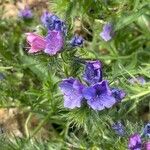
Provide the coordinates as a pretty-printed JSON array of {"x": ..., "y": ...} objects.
[
  {"x": 118, "y": 94},
  {"x": 26, "y": 13},
  {"x": 52, "y": 22},
  {"x": 106, "y": 34},
  {"x": 93, "y": 72},
  {"x": 99, "y": 96},
  {"x": 2, "y": 76},
  {"x": 72, "y": 91},
  {"x": 77, "y": 40},
  {"x": 147, "y": 130},
  {"x": 118, "y": 128}
]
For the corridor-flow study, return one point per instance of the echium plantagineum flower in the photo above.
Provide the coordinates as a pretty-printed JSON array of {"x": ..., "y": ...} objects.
[
  {"x": 106, "y": 34},
  {"x": 26, "y": 13},
  {"x": 146, "y": 131},
  {"x": 52, "y": 22},
  {"x": 76, "y": 41},
  {"x": 37, "y": 42},
  {"x": 2, "y": 76},
  {"x": 99, "y": 96},
  {"x": 93, "y": 72},
  {"x": 118, "y": 94},
  {"x": 51, "y": 44},
  {"x": 54, "y": 42},
  {"x": 72, "y": 90},
  {"x": 119, "y": 128},
  {"x": 96, "y": 94},
  {"x": 135, "y": 142}
]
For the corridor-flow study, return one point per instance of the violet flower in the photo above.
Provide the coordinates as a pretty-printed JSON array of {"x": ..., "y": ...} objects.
[
  {"x": 137, "y": 80},
  {"x": 25, "y": 13},
  {"x": 118, "y": 94},
  {"x": 147, "y": 130},
  {"x": 37, "y": 42},
  {"x": 72, "y": 90},
  {"x": 118, "y": 128},
  {"x": 52, "y": 22},
  {"x": 77, "y": 40},
  {"x": 106, "y": 34},
  {"x": 93, "y": 72},
  {"x": 54, "y": 42},
  {"x": 99, "y": 96},
  {"x": 135, "y": 142}
]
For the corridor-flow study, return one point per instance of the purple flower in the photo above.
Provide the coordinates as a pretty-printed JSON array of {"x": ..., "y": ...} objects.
[
  {"x": 72, "y": 90},
  {"x": 54, "y": 42},
  {"x": 93, "y": 72},
  {"x": 77, "y": 40},
  {"x": 52, "y": 22},
  {"x": 135, "y": 142},
  {"x": 26, "y": 13},
  {"x": 147, "y": 145},
  {"x": 147, "y": 130},
  {"x": 99, "y": 96},
  {"x": 118, "y": 94},
  {"x": 137, "y": 80},
  {"x": 118, "y": 128},
  {"x": 106, "y": 34}
]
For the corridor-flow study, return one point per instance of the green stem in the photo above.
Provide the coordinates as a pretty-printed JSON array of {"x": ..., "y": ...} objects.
[{"x": 26, "y": 125}]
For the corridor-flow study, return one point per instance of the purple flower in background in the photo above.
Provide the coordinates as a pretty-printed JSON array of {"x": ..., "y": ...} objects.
[
  {"x": 147, "y": 145},
  {"x": 77, "y": 40},
  {"x": 72, "y": 90},
  {"x": 93, "y": 72},
  {"x": 54, "y": 42},
  {"x": 118, "y": 94},
  {"x": 26, "y": 13},
  {"x": 147, "y": 130},
  {"x": 137, "y": 80},
  {"x": 52, "y": 22},
  {"x": 106, "y": 34},
  {"x": 118, "y": 128},
  {"x": 135, "y": 142},
  {"x": 99, "y": 96}
]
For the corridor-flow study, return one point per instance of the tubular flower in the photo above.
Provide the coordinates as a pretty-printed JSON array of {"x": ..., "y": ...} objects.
[
  {"x": 52, "y": 22},
  {"x": 135, "y": 142},
  {"x": 99, "y": 96},
  {"x": 93, "y": 72},
  {"x": 77, "y": 40},
  {"x": 72, "y": 90},
  {"x": 54, "y": 42},
  {"x": 107, "y": 31},
  {"x": 37, "y": 42}
]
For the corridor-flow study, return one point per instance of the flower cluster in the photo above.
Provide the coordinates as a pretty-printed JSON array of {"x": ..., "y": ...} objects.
[
  {"x": 135, "y": 141},
  {"x": 53, "y": 42},
  {"x": 97, "y": 93},
  {"x": 53, "y": 22}
]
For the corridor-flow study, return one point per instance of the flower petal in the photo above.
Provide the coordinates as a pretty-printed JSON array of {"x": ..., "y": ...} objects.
[{"x": 54, "y": 42}]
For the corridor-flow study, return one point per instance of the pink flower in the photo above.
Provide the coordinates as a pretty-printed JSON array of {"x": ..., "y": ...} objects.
[
  {"x": 147, "y": 145},
  {"x": 37, "y": 42}
]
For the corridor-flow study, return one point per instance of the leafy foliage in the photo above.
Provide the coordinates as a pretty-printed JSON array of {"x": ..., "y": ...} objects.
[{"x": 31, "y": 81}]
